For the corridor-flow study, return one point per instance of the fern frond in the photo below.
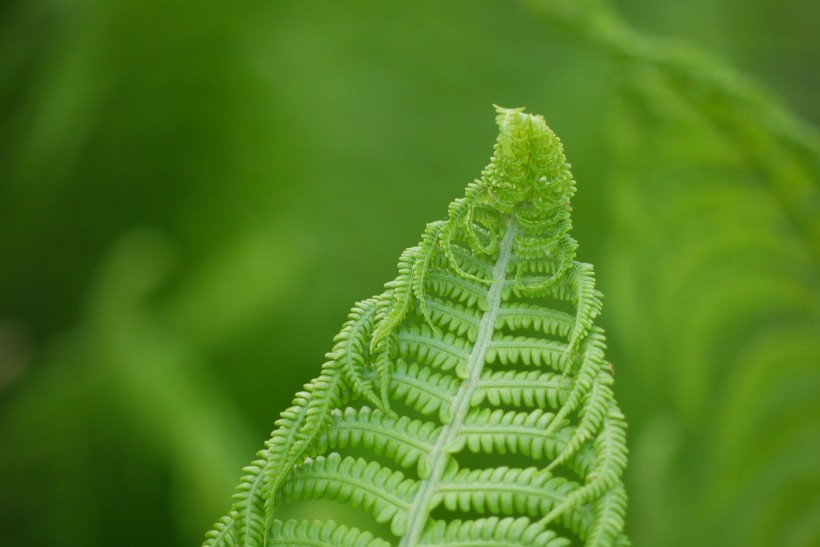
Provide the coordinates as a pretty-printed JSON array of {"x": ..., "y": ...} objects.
[{"x": 445, "y": 345}]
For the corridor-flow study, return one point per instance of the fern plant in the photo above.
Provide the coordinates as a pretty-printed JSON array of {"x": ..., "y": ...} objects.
[{"x": 470, "y": 403}]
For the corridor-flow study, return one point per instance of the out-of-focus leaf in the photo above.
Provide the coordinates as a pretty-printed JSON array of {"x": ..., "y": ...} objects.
[{"x": 715, "y": 292}]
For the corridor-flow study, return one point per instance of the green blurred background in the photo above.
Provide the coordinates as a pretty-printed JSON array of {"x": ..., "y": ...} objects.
[{"x": 193, "y": 194}]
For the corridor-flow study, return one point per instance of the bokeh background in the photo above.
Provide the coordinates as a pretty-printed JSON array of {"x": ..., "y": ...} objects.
[{"x": 193, "y": 194}]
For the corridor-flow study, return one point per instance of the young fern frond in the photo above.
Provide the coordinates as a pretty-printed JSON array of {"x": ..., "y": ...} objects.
[{"x": 467, "y": 364}]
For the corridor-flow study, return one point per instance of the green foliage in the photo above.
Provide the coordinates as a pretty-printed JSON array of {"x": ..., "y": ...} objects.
[
  {"x": 473, "y": 308},
  {"x": 280, "y": 153}
]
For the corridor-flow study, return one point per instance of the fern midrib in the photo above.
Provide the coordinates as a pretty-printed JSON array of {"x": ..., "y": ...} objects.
[{"x": 418, "y": 513}]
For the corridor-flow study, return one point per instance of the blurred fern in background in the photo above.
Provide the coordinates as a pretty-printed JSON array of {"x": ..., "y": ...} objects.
[
  {"x": 192, "y": 195},
  {"x": 715, "y": 291}
]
